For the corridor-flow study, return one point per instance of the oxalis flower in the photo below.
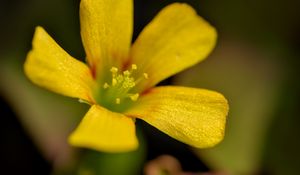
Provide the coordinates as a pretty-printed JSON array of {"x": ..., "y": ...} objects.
[{"x": 118, "y": 80}]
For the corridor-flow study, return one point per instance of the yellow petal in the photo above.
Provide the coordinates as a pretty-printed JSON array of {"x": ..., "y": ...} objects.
[
  {"x": 49, "y": 66},
  {"x": 106, "y": 31},
  {"x": 194, "y": 116},
  {"x": 104, "y": 130},
  {"x": 175, "y": 39}
]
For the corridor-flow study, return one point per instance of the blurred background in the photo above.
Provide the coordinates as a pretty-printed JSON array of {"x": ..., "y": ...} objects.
[{"x": 256, "y": 65}]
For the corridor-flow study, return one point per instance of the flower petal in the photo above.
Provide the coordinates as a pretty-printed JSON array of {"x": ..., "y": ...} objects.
[
  {"x": 175, "y": 39},
  {"x": 194, "y": 116},
  {"x": 106, "y": 31},
  {"x": 49, "y": 66},
  {"x": 104, "y": 130}
]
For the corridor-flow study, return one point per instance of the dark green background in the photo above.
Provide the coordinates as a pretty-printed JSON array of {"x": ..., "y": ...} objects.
[{"x": 268, "y": 26}]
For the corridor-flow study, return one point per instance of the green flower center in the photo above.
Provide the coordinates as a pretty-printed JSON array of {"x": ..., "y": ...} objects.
[{"x": 117, "y": 95}]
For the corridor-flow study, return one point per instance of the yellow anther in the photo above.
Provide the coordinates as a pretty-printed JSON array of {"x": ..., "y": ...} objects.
[
  {"x": 105, "y": 86},
  {"x": 128, "y": 83},
  {"x": 134, "y": 67},
  {"x": 146, "y": 76},
  {"x": 114, "y": 82},
  {"x": 134, "y": 97},
  {"x": 118, "y": 100},
  {"x": 121, "y": 86},
  {"x": 126, "y": 73},
  {"x": 114, "y": 70}
]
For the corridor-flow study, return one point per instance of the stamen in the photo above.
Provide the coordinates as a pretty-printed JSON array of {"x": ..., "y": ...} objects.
[
  {"x": 114, "y": 70},
  {"x": 134, "y": 97},
  {"x": 105, "y": 86},
  {"x": 121, "y": 85},
  {"x": 134, "y": 67},
  {"x": 118, "y": 100},
  {"x": 146, "y": 76},
  {"x": 126, "y": 73},
  {"x": 114, "y": 82}
]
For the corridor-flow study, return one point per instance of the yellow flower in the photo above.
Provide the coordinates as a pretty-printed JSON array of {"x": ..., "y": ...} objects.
[{"x": 118, "y": 81}]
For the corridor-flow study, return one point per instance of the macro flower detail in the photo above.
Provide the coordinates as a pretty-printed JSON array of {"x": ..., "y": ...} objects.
[{"x": 119, "y": 78}]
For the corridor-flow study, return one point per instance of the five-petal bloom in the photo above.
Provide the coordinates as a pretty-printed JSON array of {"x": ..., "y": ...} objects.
[{"x": 118, "y": 81}]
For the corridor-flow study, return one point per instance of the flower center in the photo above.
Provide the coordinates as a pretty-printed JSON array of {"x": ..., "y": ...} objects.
[{"x": 118, "y": 94}]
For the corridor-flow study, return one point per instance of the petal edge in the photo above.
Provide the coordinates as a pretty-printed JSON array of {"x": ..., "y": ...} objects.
[
  {"x": 49, "y": 66},
  {"x": 174, "y": 40},
  {"x": 194, "y": 116}
]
